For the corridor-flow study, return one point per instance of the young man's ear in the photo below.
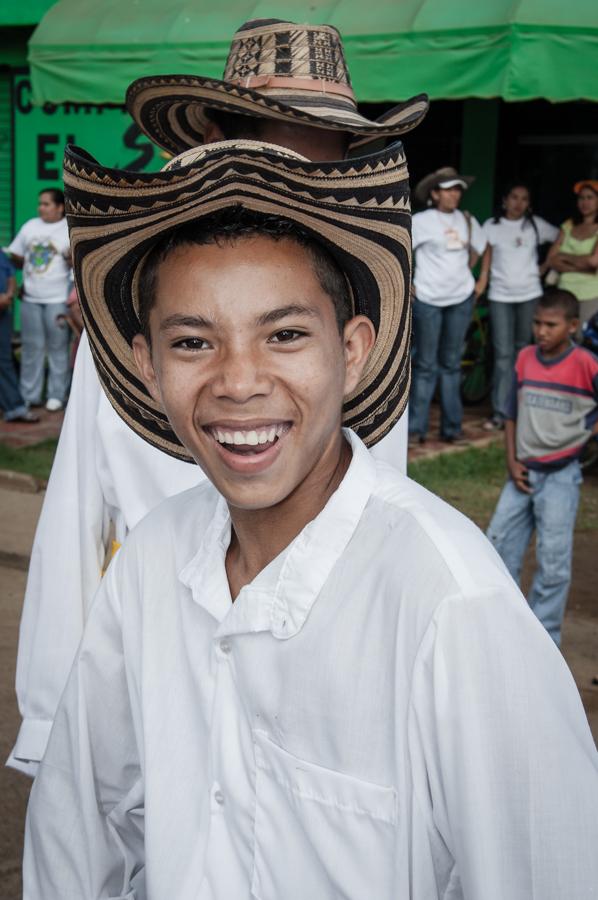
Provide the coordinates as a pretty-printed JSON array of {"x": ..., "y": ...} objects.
[
  {"x": 143, "y": 358},
  {"x": 573, "y": 326},
  {"x": 358, "y": 339}
]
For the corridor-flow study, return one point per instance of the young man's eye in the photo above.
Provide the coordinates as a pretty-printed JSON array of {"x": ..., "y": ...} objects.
[
  {"x": 190, "y": 343},
  {"x": 286, "y": 336}
]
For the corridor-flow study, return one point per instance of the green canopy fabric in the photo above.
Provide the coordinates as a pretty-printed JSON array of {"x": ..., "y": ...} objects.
[{"x": 90, "y": 50}]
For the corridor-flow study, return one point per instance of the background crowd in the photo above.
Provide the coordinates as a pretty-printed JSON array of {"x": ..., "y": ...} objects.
[{"x": 448, "y": 243}]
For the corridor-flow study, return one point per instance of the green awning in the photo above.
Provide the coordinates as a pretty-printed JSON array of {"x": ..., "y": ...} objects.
[
  {"x": 90, "y": 50},
  {"x": 25, "y": 13}
]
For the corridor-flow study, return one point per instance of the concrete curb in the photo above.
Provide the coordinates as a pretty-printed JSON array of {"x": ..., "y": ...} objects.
[
  {"x": 20, "y": 482},
  {"x": 421, "y": 453}
]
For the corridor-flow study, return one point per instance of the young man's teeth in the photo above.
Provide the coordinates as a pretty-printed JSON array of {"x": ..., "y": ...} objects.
[{"x": 249, "y": 438}]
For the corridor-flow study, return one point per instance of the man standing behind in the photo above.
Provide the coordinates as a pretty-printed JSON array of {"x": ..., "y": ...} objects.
[{"x": 41, "y": 248}]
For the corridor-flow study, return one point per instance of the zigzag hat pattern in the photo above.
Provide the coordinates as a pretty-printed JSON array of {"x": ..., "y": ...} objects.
[{"x": 358, "y": 208}]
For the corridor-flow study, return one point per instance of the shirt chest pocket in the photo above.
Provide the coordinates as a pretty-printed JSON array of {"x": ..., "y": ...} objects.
[{"x": 319, "y": 833}]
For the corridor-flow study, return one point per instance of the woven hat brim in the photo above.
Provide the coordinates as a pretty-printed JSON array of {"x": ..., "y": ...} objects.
[
  {"x": 170, "y": 110},
  {"x": 358, "y": 208}
]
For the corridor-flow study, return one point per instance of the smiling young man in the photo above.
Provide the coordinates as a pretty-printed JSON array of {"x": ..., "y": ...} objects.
[
  {"x": 307, "y": 677},
  {"x": 253, "y": 389},
  {"x": 286, "y": 84}
]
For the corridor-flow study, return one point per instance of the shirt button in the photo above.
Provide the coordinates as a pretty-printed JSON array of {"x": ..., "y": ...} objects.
[
  {"x": 219, "y": 798},
  {"x": 225, "y": 646}
]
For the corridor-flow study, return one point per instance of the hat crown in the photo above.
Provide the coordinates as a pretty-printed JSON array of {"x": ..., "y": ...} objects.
[
  {"x": 270, "y": 48},
  {"x": 446, "y": 172}
]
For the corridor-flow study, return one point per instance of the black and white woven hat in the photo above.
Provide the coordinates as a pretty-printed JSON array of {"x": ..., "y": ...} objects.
[
  {"x": 359, "y": 209},
  {"x": 275, "y": 70}
]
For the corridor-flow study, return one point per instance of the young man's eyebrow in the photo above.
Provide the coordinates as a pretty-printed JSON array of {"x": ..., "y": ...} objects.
[
  {"x": 294, "y": 309},
  {"x": 180, "y": 321}
]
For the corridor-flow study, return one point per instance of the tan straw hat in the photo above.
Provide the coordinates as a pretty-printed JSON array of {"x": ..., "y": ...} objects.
[
  {"x": 275, "y": 70},
  {"x": 358, "y": 209},
  {"x": 445, "y": 177}
]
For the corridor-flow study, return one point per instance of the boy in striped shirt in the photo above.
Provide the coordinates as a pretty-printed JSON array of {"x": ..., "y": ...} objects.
[{"x": 553, "y": 411}]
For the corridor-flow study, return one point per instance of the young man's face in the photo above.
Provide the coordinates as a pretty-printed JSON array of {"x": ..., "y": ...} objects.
[
  {"x": 248, "y": 363},
  {"x": 553, "y": 331},
  {"x": 48, "y": 210}
]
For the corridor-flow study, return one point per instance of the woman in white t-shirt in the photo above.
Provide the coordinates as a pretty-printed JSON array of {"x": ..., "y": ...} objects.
[
  {"x": 446, "y": 244},
  {"x": 511, "y": 262},
  {"x": 42, "y": 249}
]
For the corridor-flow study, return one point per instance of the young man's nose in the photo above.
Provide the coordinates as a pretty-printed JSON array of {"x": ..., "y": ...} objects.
[{"x": 241, "y": 375}]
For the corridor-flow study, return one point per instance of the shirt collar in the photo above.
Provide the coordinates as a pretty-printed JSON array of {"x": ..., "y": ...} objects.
[
  {"x": 281, "y": 596},
  {"x": 555, "y": 360}
]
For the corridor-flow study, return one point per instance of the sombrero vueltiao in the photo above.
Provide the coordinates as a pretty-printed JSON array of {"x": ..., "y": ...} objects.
[
  {"x": 275, "y": 70},
  {"x": 359, "y": 209}
]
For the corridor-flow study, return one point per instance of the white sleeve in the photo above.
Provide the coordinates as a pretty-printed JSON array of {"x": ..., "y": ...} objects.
[
  {"x": 547, "y": 233},
  {"x": 18, "y": 245},
  {"x": 85, "y": 828},
  {"x": 478, "y": 236},
  {"x": 65, "y": 569},
  {"x": 506, "y": 766},
  {"x": 418, "y": 230}
]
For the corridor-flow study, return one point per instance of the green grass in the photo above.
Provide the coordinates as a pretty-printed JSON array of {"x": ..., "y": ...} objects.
[
  {"x": 472, "y": 481},
  {"x": 36, "y": 460}
]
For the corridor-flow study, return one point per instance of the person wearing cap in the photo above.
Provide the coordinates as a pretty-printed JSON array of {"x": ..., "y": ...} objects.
[
  {"x": 283, "y": 83},
  {"x": 308, "y": 676},
  {"x": 574, "y": 254},
  {"x": 446, "y": 244}
]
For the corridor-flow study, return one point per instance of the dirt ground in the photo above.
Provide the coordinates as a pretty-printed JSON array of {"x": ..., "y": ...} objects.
[{"x": 580, "y": 648}]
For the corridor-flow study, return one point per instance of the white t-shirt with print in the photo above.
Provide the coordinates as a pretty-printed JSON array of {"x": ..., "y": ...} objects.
[
  {"x": 45, "y": 270},
  {"x": 441, "y": 247},
  {"x": 514, "y": 276}
]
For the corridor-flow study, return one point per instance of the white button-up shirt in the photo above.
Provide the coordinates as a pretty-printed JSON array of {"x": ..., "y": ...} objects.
[
  {"x": 103, "y": 474},
  {"x": 378, "y": 715}
]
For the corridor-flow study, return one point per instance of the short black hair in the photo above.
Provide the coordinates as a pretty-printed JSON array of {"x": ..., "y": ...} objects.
[
  {"x": 565, "y": 301},
  {"x": 235, "y": 223},
  {"x": 56, "y": 194}
]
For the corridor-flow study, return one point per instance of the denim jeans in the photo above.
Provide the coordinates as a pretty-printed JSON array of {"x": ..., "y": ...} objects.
[
  {"x": 511, "y": 332},
  {"x": 550, "y": 509},
  {"x": 11, "y": 401},
  {"x": 40, "y": 334},
  {"x": 438, "y": 335}
]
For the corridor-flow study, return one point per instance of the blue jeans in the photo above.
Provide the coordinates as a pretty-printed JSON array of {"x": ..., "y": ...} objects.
[
  {"x": 41, "y": 334},
  {"x": 511, "y": 332},
  {"x": 438, "y": 336},
  {"x": 11, "y": 401},
  {"x": 550, "y": 509}
]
